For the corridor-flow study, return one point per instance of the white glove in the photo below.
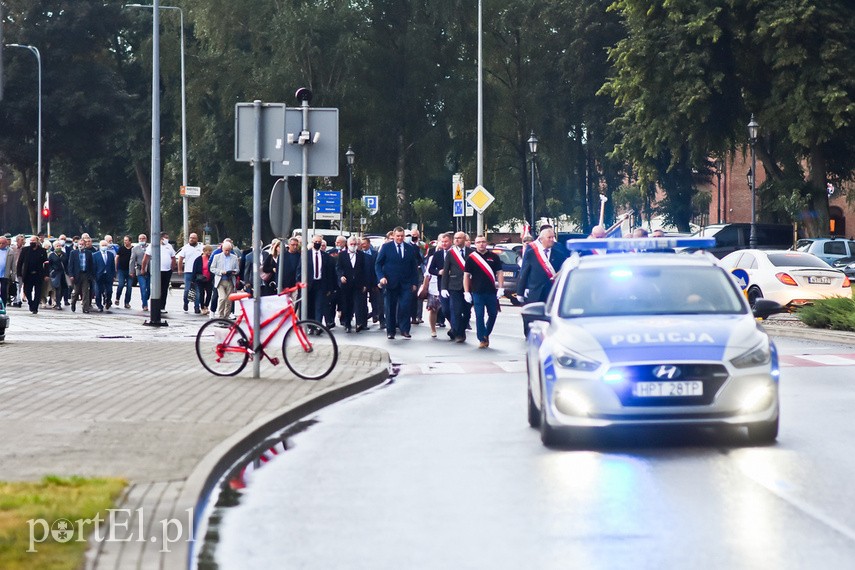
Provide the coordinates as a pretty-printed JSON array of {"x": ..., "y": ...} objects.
[
  {"x": 500, "y": 292},
  {"x": 468, "y": 296},
  {"x": 444, "y": 293},
  {"x": 525, "y": 293}
]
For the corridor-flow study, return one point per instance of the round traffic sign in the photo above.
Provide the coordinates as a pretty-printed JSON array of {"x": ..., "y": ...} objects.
[{"x": 742, "y": 277}]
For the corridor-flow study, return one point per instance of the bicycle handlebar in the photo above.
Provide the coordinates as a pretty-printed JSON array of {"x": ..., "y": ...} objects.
[{"x": 289, "y": 290}]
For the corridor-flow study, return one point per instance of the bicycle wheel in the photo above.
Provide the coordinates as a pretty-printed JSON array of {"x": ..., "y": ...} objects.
[
  {"x": 309, "y": 349},
  {"x": 222, "y": 347}
]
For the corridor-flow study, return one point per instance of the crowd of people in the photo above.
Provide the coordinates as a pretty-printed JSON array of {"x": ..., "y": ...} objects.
[{"x": 350, "y": 284}]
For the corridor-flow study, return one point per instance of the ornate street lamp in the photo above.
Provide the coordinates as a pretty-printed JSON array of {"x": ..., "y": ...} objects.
[
  {"x": 753, "y": 131},
  {"x": 351, "y": 156},
  {"x": 719, "y": 165},
  {"x": 532, "y": 147}
]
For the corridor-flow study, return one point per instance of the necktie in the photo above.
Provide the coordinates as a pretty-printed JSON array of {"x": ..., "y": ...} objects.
[
  {"x": 105, "y": 257},
  {"x": 317, "y": 265},
  {"x": 546, "y": 253},
  {"x": 401, "y": 250}
]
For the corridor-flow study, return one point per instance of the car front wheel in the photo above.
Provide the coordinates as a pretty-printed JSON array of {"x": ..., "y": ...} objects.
[{"x": 753, "y": 294}]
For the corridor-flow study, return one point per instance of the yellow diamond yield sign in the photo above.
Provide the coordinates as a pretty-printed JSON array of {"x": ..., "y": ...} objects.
[{"x": 480, "y": 199}]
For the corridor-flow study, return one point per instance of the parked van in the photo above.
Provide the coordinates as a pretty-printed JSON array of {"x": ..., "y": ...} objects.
[{"x": 732, "y": 237}]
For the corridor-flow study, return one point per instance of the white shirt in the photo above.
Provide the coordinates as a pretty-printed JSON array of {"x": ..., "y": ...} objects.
[
  {"x": 167, "y": 252},
  {"x": 189, "y": 253}
]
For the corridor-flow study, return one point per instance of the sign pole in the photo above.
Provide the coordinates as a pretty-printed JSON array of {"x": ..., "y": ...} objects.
[
  {"x": 256, "y": 239},
  {"x": 304, "y": 212}
]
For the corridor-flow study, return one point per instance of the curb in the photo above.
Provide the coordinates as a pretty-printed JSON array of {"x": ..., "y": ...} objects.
[
  {"x": 210, "y": 470},
  {"x": 805, "y": 333}
]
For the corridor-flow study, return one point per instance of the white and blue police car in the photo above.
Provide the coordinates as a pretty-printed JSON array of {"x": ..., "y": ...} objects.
[{"x": 640, "y": 337}]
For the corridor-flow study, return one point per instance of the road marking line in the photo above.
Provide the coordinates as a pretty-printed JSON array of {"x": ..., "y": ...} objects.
[{"x": 828, "y": 359}]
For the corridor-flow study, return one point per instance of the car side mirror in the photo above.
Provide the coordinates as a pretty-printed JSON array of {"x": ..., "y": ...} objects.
[
  {"x": 764, "y": 308},
  {"x": 536, "y": 312}
]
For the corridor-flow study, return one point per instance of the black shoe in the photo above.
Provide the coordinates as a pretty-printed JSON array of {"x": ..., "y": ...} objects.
[
  {"x": 390, "y": 336},
  {"x": 406, "y": 335},
  {"x": 197, "y": 310},
  {"x": 108, "y": 305},
  {"x": 100, "y": 309},
  {"x": 73, "y": 306},
  {"x": 185, "y": 307},
  {"x": 450, "y": 335},
  {"x": 347, "y": 329},
  {"x": 87, "y": 311},
  {"x": 359, "y": 328}
]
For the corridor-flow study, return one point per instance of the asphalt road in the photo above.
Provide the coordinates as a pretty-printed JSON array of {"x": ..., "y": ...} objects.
[{"x": 440, "y": 470}]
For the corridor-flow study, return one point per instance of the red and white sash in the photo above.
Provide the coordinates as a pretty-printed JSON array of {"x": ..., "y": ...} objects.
[
  {"x": 455, "y": 254},
  {"x": 537, "y": 248},
  {"x": 482, "y": 263}
]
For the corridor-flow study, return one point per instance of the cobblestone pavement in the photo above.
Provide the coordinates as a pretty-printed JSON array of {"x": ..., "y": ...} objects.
[{"x": 101, "y": 394}]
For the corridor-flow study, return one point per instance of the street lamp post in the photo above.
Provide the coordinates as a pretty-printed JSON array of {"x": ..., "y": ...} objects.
[
  {"x": 753, "y": 130},
  {"x": 351, "y": 156},
  {"x": 35, "y": 51},
  {"x": 718, "y": 168},
  {"x": 185, "y": 215},
  {"x": 532, "y": 147}
]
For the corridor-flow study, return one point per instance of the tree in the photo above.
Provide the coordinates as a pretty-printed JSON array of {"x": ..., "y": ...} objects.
[
  {"x": 689, "y": 74},
  {"x": 426, "y": 210}
]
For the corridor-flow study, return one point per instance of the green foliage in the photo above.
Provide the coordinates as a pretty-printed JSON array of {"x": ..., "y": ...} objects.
[{"x": 836, "y": 313}]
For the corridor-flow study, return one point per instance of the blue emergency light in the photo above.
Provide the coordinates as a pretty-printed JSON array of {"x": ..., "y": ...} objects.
[{"x": 617, "y": 245}]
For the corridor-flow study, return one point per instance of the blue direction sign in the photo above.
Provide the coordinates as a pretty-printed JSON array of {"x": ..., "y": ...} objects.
[
  {"x": 328, "y": 205},
  {"x": 372, "y": 203},
  {"x": 458, "y": 209},
  {"x": 741, "y": 277}
]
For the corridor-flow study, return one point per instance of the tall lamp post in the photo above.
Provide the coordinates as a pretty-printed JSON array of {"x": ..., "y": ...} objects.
[
  {"x": 753, "y": 130},
  {"x": 718, "y": 168},
  {"x": 532, "y": 147},
  {"x": 35, "y": 51},
  {"x": 351, "y": 156},
  {"x": 185, "y": 215}
]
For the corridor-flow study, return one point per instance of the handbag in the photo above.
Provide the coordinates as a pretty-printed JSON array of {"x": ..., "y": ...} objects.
[
  {"x": 266, "y": 277},
  {"x": 191, "y": 295}
]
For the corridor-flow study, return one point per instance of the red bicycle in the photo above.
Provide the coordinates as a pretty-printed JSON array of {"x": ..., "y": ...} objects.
[{"x": 308, "y": 347}]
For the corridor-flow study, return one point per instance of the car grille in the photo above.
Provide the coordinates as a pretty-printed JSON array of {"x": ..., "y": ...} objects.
[{"x": 713, "y": 377}]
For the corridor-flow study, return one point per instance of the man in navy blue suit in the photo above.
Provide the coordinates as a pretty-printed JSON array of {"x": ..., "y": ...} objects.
[
  {"x": 104, "y": 261},
  {"x": 540, "y": 264},
  {"x": 397, "y": 274}
]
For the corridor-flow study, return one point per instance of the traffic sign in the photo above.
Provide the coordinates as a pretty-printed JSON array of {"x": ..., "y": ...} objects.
[
  {"x": 470, "y": 211},
  {"x": 372, "y": 203},
  {"x": 458, "y": 209},
  {"x": 457, "y": 187},
  {"x": 741, "y": 277},
  {"x": 272, "y": 132},
  {"x": 323, "y": 151},
  {"x": 280, "y": 209},
  {"x": 480, "y": 199},
  {"x": 191, "y": 191},
  {"x": 328, "y": 204}
]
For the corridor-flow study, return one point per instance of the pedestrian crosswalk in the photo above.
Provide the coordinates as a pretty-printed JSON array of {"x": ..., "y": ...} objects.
[
  {"x": 518, "y": 366},
  {"x": 798, "y": 360}
]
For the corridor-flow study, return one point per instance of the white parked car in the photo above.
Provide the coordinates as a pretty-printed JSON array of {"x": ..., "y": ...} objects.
[{"x": 791, "y": 278}]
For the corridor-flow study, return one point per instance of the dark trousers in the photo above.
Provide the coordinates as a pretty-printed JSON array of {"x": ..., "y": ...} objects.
[
  {"x": 377, "y": 304},
  {"x": 4, "y": 290},
  {"x": 318, "y": 303},
  {"x": 33, "y": 291},
  {"x": 103, "y": 291},
  {"x": 124, "y": 283},
  {"x": 353, "y": 303},
  {"x": 489, "y": 303},
  {"x": 445, "y": 311},
  {"x": 397, "y": 308},
  {"x": 165, "y": 278},
  {"x": 459, "y": 314}
]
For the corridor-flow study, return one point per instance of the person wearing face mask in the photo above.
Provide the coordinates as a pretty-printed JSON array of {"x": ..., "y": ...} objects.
[
  {"x": 32, "y": 269},
  {"x": 81, "y": 268},
  {"x": 135, "y": 270},
  {"x": 105, "y": 271},
  {"x": 57, "y": 267},
  {"x": 123, "y": 272},
  {"x": 353, "y": 286},
  {"x": 322, "y": 281}
]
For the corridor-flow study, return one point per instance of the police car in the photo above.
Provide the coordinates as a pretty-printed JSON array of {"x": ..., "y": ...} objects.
[{"x": 649, "y": 339}]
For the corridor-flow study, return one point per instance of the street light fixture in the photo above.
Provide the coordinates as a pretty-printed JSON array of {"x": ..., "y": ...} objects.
[
  {"x": 35, "y": 51},
  {"x": 753, "y": 131},
  {"x": 351, "y": 156},
  {"x": 719, "y": 165},
  {"x": 532, "y": 147},
  {"x": 185, "y": 215}
]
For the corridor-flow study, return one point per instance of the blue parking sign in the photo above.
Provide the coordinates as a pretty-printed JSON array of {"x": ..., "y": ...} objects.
[
  {"x": 458, "y": 209},
  {"x": 372, "y": 203}
]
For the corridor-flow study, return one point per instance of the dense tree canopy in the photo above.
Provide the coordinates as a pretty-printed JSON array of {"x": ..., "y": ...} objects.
[{"x": 623, "y": 92}]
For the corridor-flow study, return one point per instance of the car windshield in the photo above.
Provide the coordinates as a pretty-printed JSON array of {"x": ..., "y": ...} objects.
[
  {"x": 507, "y": 256},
  {"x": 796, "y": 259},
  {"x": 648, "y": 290}
]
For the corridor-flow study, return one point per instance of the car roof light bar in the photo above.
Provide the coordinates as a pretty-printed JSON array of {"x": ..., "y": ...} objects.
[{"x": 616, "y": 245}]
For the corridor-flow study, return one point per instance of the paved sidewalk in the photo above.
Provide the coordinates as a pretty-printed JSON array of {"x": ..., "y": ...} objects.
[{"x": 103, "y": 395}]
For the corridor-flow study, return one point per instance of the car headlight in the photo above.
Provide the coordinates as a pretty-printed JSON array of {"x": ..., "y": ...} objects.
[
  {"x": 567, "y": 358},
  {"x": 757, "y": 356}
]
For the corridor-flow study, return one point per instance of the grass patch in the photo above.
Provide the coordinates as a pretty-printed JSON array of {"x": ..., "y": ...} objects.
[
  {"x": 51, "y": 499},
  {"x": 836, "y": 313}
]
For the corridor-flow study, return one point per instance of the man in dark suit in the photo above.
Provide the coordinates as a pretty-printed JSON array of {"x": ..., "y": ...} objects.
[
  {"x": 81, "y": 269},
  {"x": 452, "y": 286},
  {"x": 104, "y": 261},
  {"x": 322, "y": 281},
  {"x": 540, "y": 264},
  {"x": 436, "y": 264},
  {"x": 353, "y": 285},
  {"x": 397, "y": 273},
  {"x": 32, "y": 269}
]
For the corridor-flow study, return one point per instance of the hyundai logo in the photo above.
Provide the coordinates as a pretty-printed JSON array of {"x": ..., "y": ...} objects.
[{"x": 666, "y": 371}]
